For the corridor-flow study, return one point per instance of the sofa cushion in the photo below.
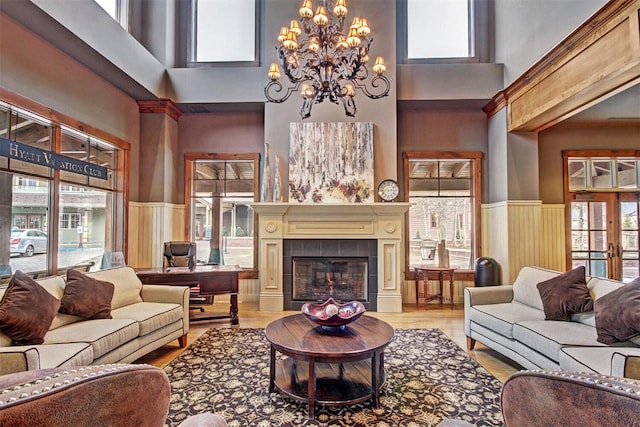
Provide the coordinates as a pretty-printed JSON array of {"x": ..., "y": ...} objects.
[
  {"x": 26, "y": 310},
  {"x": 549, "y": 336},
  {"x": 86, "y": 297},
  {"x": 127, "y": 285},
  {"x": 524, "y": 287},
  {"x": 501, "y": 317},
  {"x": 103, "y": 334},
  {"x": 150, "y": 315},
  {"x": 591, "y": 359},
  {"x": 565, "y": 294},
  {"x": 617, "y": 314}
]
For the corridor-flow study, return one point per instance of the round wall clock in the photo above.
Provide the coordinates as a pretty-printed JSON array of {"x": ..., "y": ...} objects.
[{"x": 388, "y": 190}]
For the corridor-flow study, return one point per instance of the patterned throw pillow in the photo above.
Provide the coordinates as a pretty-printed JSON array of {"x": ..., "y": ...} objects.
[
  {"x": 86, "y": 297},
  {"x": 565, "y": 294},
  {"x": 26, "y": 310}
]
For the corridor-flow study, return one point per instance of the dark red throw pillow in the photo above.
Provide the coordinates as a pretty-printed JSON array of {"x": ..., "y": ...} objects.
[
  {"x": 86, "y": 297},
  {"x": 618, "y": 313},
  {"x": 565, "y": 294},
  {"x": 26, "y": 310}
]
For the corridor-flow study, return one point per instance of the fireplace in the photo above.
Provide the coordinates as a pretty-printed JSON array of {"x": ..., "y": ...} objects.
[
  {"x": 331, "y": 231},
  {"x": 314, "y": 269}
]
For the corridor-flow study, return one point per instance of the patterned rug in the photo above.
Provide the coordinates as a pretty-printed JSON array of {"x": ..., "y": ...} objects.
[{"x": 429, "y": 378}]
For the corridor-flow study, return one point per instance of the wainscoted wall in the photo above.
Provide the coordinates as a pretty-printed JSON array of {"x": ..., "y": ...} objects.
[
  {"x": 150, "y": 225},
  {"x": 552, "y": 242},
  {"x": 521, "y": 233}
]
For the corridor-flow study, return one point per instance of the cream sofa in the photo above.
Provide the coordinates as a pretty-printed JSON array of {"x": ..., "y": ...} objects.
[
  {"x": 511, "y": 320},
  {"x": 144, "y": 317}
]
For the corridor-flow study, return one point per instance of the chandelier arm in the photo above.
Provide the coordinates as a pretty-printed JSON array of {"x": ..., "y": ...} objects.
[
  {"x": 275, "y": 87},
  {"x": 379, "y": 80},
  {"x": 349, "y": 105}
]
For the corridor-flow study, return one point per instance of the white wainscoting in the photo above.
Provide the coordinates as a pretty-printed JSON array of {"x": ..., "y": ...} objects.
[
  {"x": 521, "y": 233},
  {"x": 150, "y": 225}
]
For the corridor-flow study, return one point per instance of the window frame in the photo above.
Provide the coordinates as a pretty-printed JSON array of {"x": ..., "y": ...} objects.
[
  {"x": 116, "y": 237},
  {"x": 191, "y": 61},
  {"x": 190, "y": 162},
  {"x": 477, "y": 34},
  {"x": 476, "y": 158}
]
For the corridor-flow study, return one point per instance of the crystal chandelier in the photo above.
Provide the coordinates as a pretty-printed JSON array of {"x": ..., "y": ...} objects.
[{"x": 322, "y": 61}]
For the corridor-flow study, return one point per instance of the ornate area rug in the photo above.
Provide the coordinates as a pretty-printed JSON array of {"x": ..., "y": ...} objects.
[{"x": 429, "y": 378}]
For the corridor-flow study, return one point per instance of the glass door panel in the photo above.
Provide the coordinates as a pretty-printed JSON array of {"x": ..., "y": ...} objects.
[
  {"x": 629, "y": 237},
  {"x": 592, "y": 237}
]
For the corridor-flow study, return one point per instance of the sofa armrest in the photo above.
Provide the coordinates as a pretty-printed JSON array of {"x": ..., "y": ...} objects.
[
  {"x": 625, "y": 365},
  {"x": 169, "y": 294},
  {"x": 483, "y": 296},
  {"x": 488, "y": 295},
  {"x": 18, "y": 358}
]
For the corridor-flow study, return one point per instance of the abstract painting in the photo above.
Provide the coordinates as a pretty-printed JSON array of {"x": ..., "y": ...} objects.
[{"x": 331, "y": 163}]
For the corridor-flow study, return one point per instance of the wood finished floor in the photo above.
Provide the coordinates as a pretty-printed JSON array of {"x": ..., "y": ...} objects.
[{"x": 448, "y": 321}]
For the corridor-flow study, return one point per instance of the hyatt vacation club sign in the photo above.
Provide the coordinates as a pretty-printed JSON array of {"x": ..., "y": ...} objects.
[{"x": 27, "y": 153}]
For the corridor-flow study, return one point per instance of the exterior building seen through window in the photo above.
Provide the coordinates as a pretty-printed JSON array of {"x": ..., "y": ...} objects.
[
  {"x": 444, "y": 197},
  {"x": 222, "y": 221},
  {"x": 86, "y": 222}
]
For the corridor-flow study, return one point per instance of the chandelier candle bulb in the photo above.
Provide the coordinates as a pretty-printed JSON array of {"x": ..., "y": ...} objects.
[
  {"x": 325, "y": 59},
  {"x": 379, "y": 67}
]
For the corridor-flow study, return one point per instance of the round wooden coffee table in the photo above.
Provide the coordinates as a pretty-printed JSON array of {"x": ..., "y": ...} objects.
[{"x": 343, "y": 366}]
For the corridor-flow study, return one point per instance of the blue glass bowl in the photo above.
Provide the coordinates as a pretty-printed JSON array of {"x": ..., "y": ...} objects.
[{"x": 333, "y": 314}]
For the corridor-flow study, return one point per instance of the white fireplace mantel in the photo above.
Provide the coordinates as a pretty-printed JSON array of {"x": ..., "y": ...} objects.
[{"x": 381, "y": 221}]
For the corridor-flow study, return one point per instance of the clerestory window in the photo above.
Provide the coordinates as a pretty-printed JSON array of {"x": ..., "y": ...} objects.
[{"x": 223, "y": 31}]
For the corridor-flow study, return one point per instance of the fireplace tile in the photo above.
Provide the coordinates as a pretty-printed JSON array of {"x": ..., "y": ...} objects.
[{"x": 348, "y": 248}]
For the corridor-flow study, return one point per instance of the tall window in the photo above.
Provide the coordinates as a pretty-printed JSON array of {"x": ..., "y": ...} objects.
[
  {"x": 117, "y": 9},
  {"x": 444, "y": 190},
  {"x": 70, "y": 191},
  {"x": 221, "y": 188},
  {"x": 223, "y": 31},
  {"x": 442, "y": 30}
]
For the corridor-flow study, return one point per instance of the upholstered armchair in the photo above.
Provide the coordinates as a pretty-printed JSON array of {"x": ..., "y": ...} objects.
[
  {"x": 102, "y": 395},
  {"x": 568, "y": 399}
]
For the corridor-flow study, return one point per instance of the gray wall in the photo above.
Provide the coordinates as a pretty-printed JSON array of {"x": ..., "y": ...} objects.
[
  {"x": 525, "y": 30},
  {"x": 556, "y": 139}
]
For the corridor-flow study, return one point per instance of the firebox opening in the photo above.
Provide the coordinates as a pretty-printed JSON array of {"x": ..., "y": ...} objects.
[{"x": 319, "y": 278}]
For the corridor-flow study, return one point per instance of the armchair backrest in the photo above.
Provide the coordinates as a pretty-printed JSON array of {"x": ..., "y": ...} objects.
[
  {"x": 117, "y": 395},
  {"x": 568, "y": 399},
  {"x": 179, "y": 254}
]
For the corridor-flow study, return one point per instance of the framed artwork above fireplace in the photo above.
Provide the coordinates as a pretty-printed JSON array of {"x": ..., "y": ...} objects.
[{"x": 331, "y": 163}]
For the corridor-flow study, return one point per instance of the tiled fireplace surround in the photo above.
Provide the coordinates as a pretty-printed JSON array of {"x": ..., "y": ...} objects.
[{"x": 381, "y": 222}]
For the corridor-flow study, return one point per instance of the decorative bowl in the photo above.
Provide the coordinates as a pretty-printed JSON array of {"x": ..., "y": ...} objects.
[{"x": 333, "y": 314}]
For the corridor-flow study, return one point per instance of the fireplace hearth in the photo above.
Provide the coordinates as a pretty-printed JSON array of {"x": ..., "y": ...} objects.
[{"x": 315, "y": 269}]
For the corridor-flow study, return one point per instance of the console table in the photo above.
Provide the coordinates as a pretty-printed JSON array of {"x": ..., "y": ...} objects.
[
  {"x": 422, "y": 272},
  {"x": 212, "y": 280}
]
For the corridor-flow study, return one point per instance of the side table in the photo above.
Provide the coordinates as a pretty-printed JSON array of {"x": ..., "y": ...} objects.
[{"x": 422, "y": 272}]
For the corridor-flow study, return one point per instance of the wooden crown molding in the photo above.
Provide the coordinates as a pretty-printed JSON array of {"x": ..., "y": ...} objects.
[
  {"x": 163, "y": 106},
  {"x": 598, "y": 58}
]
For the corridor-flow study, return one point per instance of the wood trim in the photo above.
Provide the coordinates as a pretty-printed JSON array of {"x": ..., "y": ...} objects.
[
  {"x": 563, "y": 82},
  {"x": 59, "y": 118},
  {"x": 161, "y": 106}
]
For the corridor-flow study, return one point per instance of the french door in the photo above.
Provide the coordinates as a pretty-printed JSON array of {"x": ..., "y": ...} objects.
[{"x": 604, "y": 234}]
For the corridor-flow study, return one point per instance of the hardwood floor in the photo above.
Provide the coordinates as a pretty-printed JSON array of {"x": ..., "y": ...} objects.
[{"x": 448, "y": 321}]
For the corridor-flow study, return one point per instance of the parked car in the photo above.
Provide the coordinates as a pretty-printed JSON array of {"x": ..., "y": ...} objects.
[{"x": 28, "y": 242}]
